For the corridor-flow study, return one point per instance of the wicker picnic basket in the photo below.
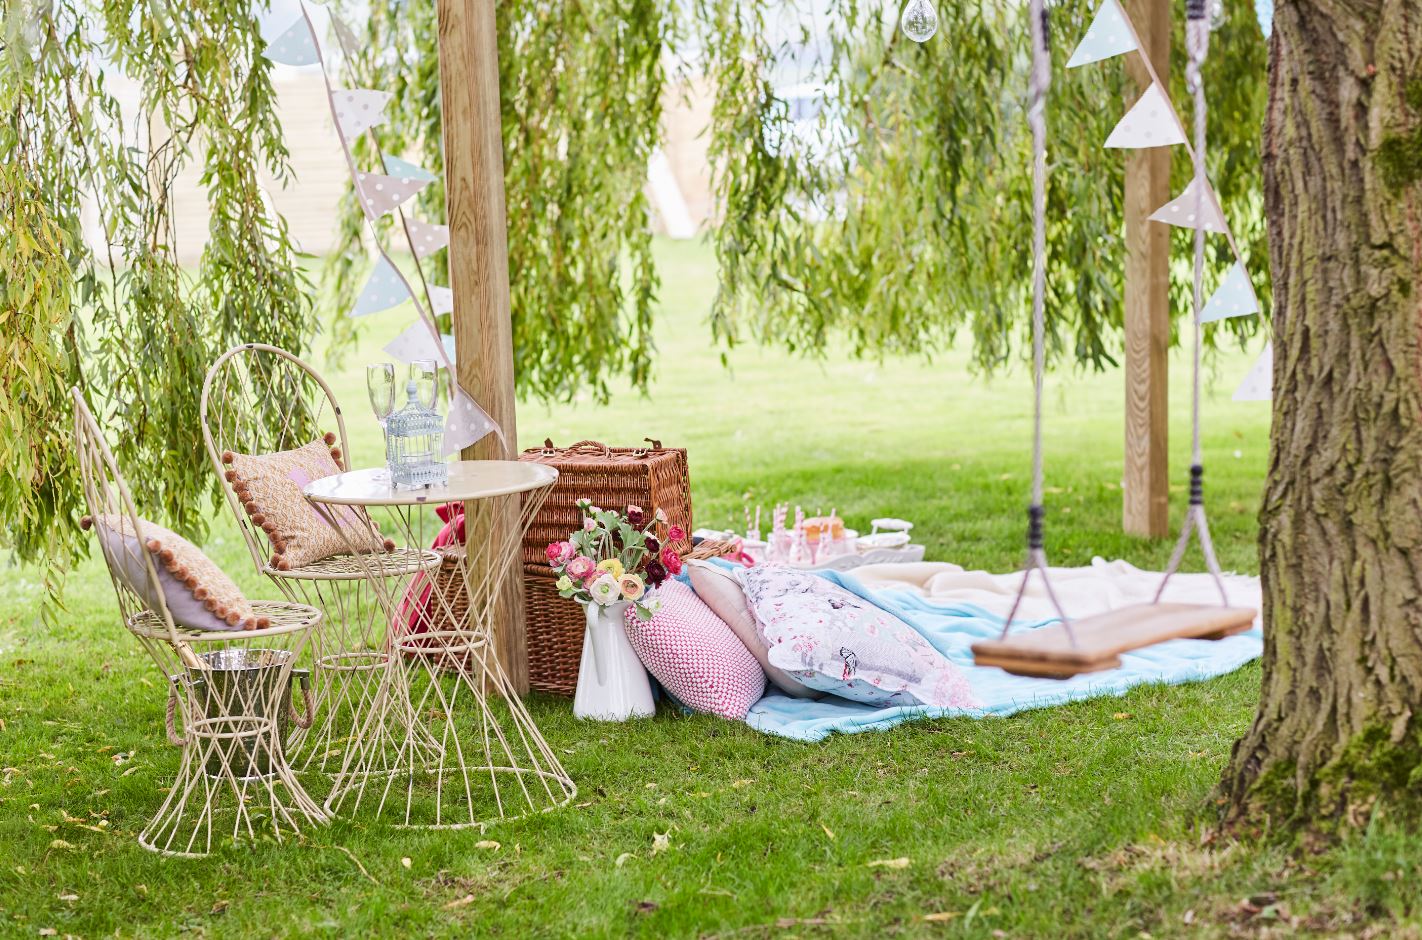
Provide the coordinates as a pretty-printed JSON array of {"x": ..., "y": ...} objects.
[{"x": 653, "y": 477}]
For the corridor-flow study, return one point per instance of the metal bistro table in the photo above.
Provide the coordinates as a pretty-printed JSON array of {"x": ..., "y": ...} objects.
[{"x": 446, "y": 743}]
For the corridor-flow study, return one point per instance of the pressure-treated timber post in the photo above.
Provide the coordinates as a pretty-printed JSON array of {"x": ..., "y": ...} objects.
[
  {"x": 1146, "y": 490},
  {"x": 479, "y": 263}
]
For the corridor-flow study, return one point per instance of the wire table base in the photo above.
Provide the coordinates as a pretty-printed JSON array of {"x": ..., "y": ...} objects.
[{"x": 445, "y": 742}]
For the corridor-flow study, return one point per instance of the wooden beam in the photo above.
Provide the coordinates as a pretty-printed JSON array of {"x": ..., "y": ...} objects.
[
  {"x": 479, "y": 265},
  {"x": 1146, "y": 490}
]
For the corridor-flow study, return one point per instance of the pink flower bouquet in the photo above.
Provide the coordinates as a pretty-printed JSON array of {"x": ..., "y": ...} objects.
[{"x": 615, "y": 556}]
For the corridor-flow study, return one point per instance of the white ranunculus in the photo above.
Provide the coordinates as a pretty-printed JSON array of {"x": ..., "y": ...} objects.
[{"x": 604, "y": 591}]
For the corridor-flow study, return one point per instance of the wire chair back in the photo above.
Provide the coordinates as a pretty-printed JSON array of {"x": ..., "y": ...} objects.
[
  {"x": 116, "y": 524},
  {"x": 260, "y": 399}
]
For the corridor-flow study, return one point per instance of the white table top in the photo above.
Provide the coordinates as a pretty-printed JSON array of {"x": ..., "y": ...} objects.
[{"x": 468, "y": 480}]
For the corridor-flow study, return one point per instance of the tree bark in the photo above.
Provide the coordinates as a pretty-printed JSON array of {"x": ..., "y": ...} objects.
[{"x": 1340, "y": 539}]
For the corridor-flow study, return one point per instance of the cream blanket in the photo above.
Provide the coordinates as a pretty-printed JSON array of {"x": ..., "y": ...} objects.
[{"x": 1103, "y": 585}]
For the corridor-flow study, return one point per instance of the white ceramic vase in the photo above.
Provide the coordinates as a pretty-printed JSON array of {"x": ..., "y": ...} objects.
[{"x": 612, "y": 682}]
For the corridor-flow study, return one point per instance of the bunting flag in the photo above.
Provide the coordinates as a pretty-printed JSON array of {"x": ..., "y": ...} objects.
[
  {"x": 380, "y": 194},
  {"x": 1150, "y": 123},
  {"x": 295, "y": 46},
  {"x": 1258, "y": 385},
  {"x": 346, "y": 36},
  {"x": 407, "y": 170},
  {"x": 441, "y": 299},
  {"x": 1109, "y": 35},
  {"x": 1264, "y": 12},
  {"x": 466, "y": 423},
  {"x": 384, "y": 289},
  {"x": 358, "y": 109},
  {"x": 426, "y": 237},
  {"x": 417, "y": 342},
  {"x": 1181, "y": 211},
  {"x": 1233, "y": 298}
]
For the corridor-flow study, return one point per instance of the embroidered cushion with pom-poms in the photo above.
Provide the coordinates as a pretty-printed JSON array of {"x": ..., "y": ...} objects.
[
  {"x": 269, "y": 487},
  {"x": 197, "y": 592}
]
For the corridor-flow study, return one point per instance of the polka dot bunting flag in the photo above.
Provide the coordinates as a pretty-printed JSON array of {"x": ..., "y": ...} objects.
[
  {"x": 1149, "y": 123},
  {"x": 295, "y": 46},
  {"x": 426, "y": 237},
  {"x": 1258, "y": 385},
  {"x": 350, "y": 43},
  {"x": 1233, "y": 298},
  {"x": 407, "y": 170},
  {"x": 466, "y": 423},
  {"x": 379, "y": 194},
  {"x": 358, "y": 109},
  {"x": 384, "y": 289},
  {"x": 1181, "y": 211},
  {"x": 441, "y": 299},
  {"x": 1109, "y": 35},
  {"x": 417, "y": 342}
]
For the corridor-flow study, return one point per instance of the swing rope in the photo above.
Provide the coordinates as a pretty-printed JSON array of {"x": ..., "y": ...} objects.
[
  {"x": 1041, "y": 81},
  {"x": 1197, "y": 41}
]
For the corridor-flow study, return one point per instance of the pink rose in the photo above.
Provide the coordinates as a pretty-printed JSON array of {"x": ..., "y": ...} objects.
[
  {"x": 671, "y": 560},
  {"x": 589, "y": 524},
  {"x": 580, "y": 567},
  {"x": 676, "y": 533},
  {"x": 553, "y": 551}
]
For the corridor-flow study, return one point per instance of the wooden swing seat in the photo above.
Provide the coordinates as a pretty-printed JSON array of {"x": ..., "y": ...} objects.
[{"x": 1048, "y": 653}]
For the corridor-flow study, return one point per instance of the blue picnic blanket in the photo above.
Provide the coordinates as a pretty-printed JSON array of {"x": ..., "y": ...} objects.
[{"x": 952, "y": 629}]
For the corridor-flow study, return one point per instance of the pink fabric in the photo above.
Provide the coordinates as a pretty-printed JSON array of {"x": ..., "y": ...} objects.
[
  {"x": 413, "y": 615},
  {"x": 695, "y": 656}
]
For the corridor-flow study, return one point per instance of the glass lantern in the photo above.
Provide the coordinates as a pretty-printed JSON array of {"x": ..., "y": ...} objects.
[{"x": 414, "y": 444}]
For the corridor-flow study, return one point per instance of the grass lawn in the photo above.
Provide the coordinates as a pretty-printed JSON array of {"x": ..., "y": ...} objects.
[{"x": 1082, "y": 821}]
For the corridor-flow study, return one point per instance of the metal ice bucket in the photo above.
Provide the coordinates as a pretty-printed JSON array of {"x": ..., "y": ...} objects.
[{"x": 239, "y": 682}]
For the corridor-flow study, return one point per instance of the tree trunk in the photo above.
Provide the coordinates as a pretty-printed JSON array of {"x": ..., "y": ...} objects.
[{"x": 1340, "y": 540}]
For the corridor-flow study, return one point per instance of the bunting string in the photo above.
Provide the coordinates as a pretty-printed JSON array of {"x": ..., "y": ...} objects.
[
  {"x": 1153, "y": 121},
  {"x": 379, "y": 194}
]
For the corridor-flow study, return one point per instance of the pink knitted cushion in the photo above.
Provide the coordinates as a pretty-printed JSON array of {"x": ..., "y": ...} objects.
[{"x": 695, "y": 655}]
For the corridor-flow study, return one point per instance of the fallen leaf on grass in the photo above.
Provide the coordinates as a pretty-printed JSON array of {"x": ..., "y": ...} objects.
[
  {"x": 622, "y": 859},
  {"x": 218, "y": 907},
  {"x": 459, "y": 902},
  {"x": 888, "y": 863},
  {"x": 487, "y": 844},
  {"x": 661, "y": 841},
  {"x": 828, "y": 831},
  {"x": 1121, "y": 716},
  {"x": 60, "y": 844},
  {"x": 405, "y": 862},
  {"x": 646, "y": 907},
  {"x": 48, "y": 932},
  {"x": 69, "y": 897},
  {"x": 939, "y": 917},
  {"x": 737, "y": 784}
]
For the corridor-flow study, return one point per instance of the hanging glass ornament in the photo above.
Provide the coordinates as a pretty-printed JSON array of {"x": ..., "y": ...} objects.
[
  {"x": 920, "y": 20},
  {"x": 1218, "y": 14}
]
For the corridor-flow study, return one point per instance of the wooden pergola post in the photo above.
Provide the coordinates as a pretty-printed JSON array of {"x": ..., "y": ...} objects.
[
  {"x": 479, "y": 263},
  {"x": 1146, "y": 489}
]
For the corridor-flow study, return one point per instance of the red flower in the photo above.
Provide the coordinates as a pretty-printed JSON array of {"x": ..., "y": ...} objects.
[
  {"x": 676, "y": 533},
  {"x": 653, "y": 546},
  {"x": 635, "y": 515},
  {"x": 672, "y": 560},
  {"x": 656, "y": 574}
]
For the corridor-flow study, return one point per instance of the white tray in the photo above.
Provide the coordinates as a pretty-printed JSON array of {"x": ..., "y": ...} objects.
[{"x": 878, "y": 556}]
